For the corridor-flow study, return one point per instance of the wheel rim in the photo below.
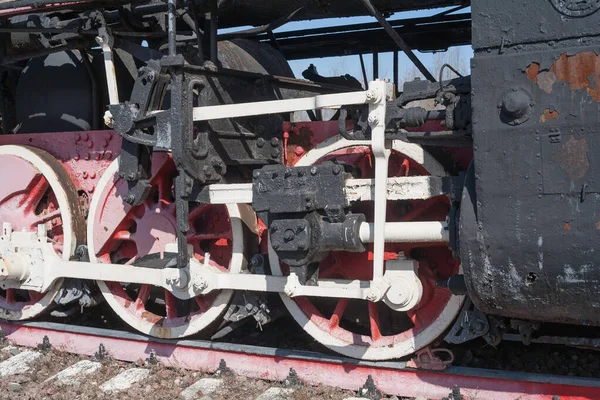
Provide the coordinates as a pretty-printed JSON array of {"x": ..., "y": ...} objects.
[
  {"x": 367, "y": 330},
  {"x": 38, "y": 192},
  {"x": 120, "y": 233}
]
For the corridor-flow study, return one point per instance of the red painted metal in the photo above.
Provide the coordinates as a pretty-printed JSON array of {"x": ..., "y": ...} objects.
[
  {"x": 368, "y": 327},
  {"x": 84, "y": 155},
  {"x": 312, "y": 368},
  {"x": 130, "y": 234}
]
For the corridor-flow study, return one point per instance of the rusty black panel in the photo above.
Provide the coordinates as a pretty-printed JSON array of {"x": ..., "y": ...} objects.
[
  {"x": 510, "y": 22},
  {"x": 531, "y": 227},
  {"x": 258, "y": 12},
  {"x": 567, "y": 159}
]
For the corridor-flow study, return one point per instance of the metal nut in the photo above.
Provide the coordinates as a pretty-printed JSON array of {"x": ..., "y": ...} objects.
[
  {"x": 373, "y": 118},
  {"x": 200, "y": 283},
  {"x": 371, "y": 295},
  {"x": 372, "y": 96},
  {"x": 289, "y": 290}
]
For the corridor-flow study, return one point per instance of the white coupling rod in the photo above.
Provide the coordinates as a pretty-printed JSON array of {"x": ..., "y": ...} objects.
[{"x": 282, "y": 106}]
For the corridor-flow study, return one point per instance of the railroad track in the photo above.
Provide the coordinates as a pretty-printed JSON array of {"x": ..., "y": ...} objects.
[{"x": 275, "y": 365}]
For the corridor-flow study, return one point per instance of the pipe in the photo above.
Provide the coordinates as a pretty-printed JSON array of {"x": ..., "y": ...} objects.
[
  {"x": 408, "y": 232},
  {"x": 398, "y": 40},
  {"x": 171, "y": 27}
]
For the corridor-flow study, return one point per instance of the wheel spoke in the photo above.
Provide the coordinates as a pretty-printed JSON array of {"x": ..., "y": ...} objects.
[
  {"x": 200, "y": 237},
  {"x": 164, "y": 190},
  {"x": 170, "y": 304},
  {"x": 336, "y": 317},
  {"x": 143, "y": 296},
  {"x": 35, "y": 192},
  {"x": 10, "y": 296},
  {"x": 197, "y": 211},
  {"x": 418, "y": 211},
  {"x": 405, "y": 169},
  {"x": 374, "y": 321},
  {"x": 204, "y": 302},
  {"x": 35, "y": 296},
  {"x": 122, "y": 235},
  {"x": 42, "y": 219}
]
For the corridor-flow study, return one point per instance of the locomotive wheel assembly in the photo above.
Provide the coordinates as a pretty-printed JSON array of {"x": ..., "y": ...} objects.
[
  {"x": 371, "y": 330},
  {"x": 39, "y": 193},
  {"x": 119, "y": 233}
]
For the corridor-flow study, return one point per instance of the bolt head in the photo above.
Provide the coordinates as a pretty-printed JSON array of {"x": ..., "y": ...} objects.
[
  {"x": 200, "y": 283},
  {"x": 373, "y": 119},
  {"x": 289, "y": 235}
]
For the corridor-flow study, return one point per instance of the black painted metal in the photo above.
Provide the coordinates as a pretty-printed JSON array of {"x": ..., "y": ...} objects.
[
  {"x": 530, "y": 221},
  {"x": 306, "y": 212}
]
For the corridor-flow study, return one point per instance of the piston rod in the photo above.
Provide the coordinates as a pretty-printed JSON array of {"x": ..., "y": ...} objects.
[{"x": 407, "y": 232}]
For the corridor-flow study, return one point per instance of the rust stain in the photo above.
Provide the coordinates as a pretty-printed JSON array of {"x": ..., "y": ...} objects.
[
  {"x": 573, "y": 157},
  {"x": 567, "y": 226},
  {"x": 532, "y": 71},
  {"x": 150, "y": 317},
  {"x": 598, "y": 225},
  {"x": 548, "y": 115},
  {"x": 301, "y": 138},
  {"x": 580, "y": 71}
]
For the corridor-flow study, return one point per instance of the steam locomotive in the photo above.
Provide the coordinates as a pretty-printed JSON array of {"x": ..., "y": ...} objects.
[{"x": 181, "y": 174}]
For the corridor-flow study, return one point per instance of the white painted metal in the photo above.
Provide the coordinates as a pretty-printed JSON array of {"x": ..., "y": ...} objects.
[
  {"x": 230, "y": 193},
  {"x": 407, "y": 232},
  {"x": 69, "y": 245},
  {"x": 382, "y": 149},
  {"x": 35, "y": 266},
  {"x": 105, "y": 41},
  {"x": 401, "y": 348},
  {"x": 280, "y": 106},
  {"x": 239, "y": 217},
  {"x": 406, "y": 289},
  {"x": 397, "y": 188}
]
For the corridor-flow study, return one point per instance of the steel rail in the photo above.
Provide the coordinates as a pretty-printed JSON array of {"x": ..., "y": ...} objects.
[{"x": 392, "y": 378}]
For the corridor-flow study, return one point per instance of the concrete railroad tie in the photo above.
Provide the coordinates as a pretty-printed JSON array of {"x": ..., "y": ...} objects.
[
  {"x": 18, "y": 364},
  {"x": 125, "y": 379}
]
